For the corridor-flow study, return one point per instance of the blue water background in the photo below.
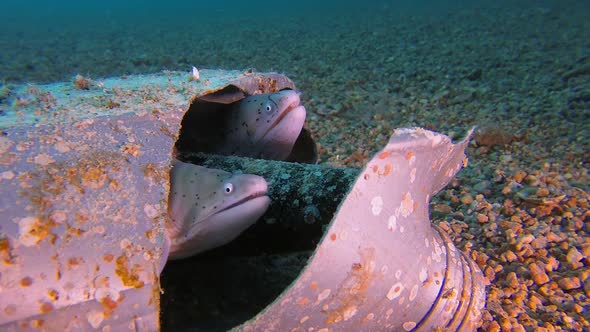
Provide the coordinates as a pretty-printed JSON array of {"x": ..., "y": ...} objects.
[{"x": 54, "y": 40}]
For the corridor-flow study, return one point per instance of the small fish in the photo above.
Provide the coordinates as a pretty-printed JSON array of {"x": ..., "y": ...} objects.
[
  {"x": 208, "y": 208},
  {"x": 264, "y": 126}
]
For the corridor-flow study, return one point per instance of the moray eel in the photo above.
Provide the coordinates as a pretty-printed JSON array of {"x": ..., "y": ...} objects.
[
  {"x": 208, "y": 208},
  {"x": 264, "y": 126}
]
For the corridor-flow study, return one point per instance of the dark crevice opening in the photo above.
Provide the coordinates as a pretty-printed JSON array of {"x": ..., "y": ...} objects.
[{"x": 224, "y": 287}]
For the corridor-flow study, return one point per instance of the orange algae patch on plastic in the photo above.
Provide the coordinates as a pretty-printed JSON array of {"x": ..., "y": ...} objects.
[
  {"x": 152, "y": 234},
  {"x": 93, "y": 177},
  {"x": 314, "y": 285},
  {"x": 409, "y": 155},
  {"x": 74, "y": 261},
  {"x": 10, "y": 310},
  {"x": 132, "y": 149},
  {"x": 386, "y": 170},
  {"x": 349, "y": 297},
  {"x": 407, "y": 204},
  {"x": 156, "y": 174},
  {"x": 37, "y": 323},
  {"x": 53, "y": 294},
  {"x": 383, "y": 172},
  {"x": 383, "y": 155},
  {"x": 92, "y": 171},
  {"x": 303, "y": 301},
  {"x": 108, "y": 304},
  {"x": 129, "y": 276},
  {"x": 74, "y": 231},
  {"x": 26, "y": 282},
  {"x": 34, "y": 230},
  {"x": 5, "y": 252},
  {"x": 46, "y": 307}
]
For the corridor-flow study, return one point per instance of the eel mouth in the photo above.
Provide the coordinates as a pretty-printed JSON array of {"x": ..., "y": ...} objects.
[
  {"x": 244, "y": 200},
  {"x": 222, "y": 226},
  {"x": 289, "y": 123},
  {"x": 294, "y": 105}
]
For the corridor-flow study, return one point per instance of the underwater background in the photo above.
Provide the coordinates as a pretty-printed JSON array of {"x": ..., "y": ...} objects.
[{"x": 519, "y": 70}]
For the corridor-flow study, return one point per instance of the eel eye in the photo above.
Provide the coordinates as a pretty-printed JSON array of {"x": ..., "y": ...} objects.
[
  {"x": 268, "y": 108},
  {"x": 228, "y": 188}
]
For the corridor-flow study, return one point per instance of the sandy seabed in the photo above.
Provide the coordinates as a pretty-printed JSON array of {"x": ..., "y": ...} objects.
[{"x": 520, "y": 71}]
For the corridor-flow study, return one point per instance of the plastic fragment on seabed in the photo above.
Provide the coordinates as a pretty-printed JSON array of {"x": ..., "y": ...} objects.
[{"x": 381, "y": 265}]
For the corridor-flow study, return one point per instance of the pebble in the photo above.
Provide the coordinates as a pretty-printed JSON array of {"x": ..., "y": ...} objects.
[
  {"x": 576, "y": 308},
  {"x": 542, "y": 192},
  {"x": 584, "y": 274},
  {"x": 441, "y": 210},
  {"x": 458, "y": 215},
  {"x": 519, "y": 176},
  {"x": 509, "y": 256},
  {"x": 482, "y": 218},
  {"x": 494, "y": 327},
  {"x": 490, "y": 273},
  {"x": 457, "y": 228},
  {"x": 553, "y": 237},
  {"x": 467, "y": 199},
  {"x": 512, "y": 280},
  {"x": 538, "y": 274},
  {"x": 539, "y": 243},
  {"x": 482, "y": 186},
  {"x": 569, "y": 283},
  {"x": 531, "y": 180},
  {"x": 574, "y": 257},
  {"x": 552, "y": 264},
  {"x": 505, "y": 324},
  {"x": 535, "y": 302},
  {"x": 522, "y": 241},
  {"x": 445, "y": 226},
  {"x": 517, "y": 327}
]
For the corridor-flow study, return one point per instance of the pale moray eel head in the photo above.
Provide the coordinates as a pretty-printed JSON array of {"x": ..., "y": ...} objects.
[
  {"x": 265, "y": 126},
  {"x": 208, "y": 208}
]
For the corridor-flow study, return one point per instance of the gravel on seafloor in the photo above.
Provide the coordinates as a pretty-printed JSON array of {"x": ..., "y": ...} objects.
[{"x": 519, "y": 71}]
